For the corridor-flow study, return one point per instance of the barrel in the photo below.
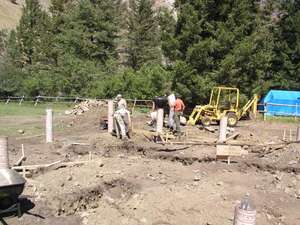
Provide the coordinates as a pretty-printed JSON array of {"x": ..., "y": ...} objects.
[
  {"x": 4, "y": 160},
  {"x": 244, "y": 217},
  {"x": 160, "y": 102}
]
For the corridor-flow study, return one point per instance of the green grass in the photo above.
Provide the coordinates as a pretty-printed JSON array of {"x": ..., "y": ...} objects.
[
  {"x": 28, "y": 109},
  {"x": 27, "y": 117},
  {"x": 283, "y": 119}
]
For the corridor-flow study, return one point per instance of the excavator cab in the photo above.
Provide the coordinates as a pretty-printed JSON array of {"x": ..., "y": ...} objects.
[{"x": 224, "y": 98}]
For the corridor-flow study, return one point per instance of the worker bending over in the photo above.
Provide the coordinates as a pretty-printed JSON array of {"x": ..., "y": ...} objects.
[
  {"x": 178, "y": 112},
  {"x": 122, "y": 116},
  {"x": 171, "y": 102}
]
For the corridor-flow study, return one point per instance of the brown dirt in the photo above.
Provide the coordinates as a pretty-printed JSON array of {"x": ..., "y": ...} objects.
[{"x": 139, "y": 182}]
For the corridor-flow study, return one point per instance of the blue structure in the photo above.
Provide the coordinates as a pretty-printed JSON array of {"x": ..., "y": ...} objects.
[{"x": 281, "y": 103}]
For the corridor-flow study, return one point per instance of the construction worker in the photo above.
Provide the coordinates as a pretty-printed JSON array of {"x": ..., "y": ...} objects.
[
  {"x": 171, "y": 102},
  {"x": 178, "y": 112},
  {"x": 122, "y": 116},
  {"x": 121, "y": 102}
]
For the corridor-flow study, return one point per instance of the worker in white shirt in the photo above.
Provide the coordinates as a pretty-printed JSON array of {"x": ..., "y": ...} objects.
[
  {"x": 171, "y": 102},
  {"x": 122, "y": 116}
]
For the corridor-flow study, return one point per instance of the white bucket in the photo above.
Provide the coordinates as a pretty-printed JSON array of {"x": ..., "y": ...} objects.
[{"x": 244, "y": 217}]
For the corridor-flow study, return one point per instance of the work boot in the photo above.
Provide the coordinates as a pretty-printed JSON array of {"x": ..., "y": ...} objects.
[{"x": 125, "y": 138}]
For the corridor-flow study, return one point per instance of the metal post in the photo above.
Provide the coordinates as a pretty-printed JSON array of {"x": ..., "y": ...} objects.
[
  {"x": 296, "y": 111},
  {"x": 159, "y": 121},
  {"x": 49, "y": 130},
  {"x": 265, "y": 111},
  {"x": 223, "y": 129},
  {"x": 4, "y": 160},
  {"x": 110, "y": 116}
]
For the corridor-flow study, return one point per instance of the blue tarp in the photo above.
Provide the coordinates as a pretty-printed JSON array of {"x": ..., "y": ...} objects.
[{"x": 281, "y": 103}]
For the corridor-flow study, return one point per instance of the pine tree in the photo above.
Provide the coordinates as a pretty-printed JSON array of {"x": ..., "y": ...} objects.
[
  {"x": 224, "y": 42},
  {"x": 286, "y": 64},
  {"x": 3, "y": 37},
  {"x": 167, "y": 25},
  {"x": 91, "y": 30},
  {"x": 144, "y": 40},
  {"x": 32, "y": 34}
]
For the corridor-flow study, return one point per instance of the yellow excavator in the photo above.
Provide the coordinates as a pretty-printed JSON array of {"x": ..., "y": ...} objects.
[{"x": 223, "y": 101}]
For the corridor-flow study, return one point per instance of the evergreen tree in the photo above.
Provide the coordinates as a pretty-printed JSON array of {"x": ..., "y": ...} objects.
[
  {"x": 91, "y": 30},
  {"x": 3, "y": 37},
  {"x": 225, "y": 42},
  {"x": 286, "y": 64},
  {"x": 167, "y": 25},
  {"x": 144, "y": 40},
  {"x": 32, "y": 34}
]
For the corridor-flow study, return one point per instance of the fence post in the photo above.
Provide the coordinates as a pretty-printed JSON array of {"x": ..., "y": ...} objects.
[
  {"x": 296, "y": 114},
  {"x": 37, "y": 100},
  {"x": 265, "y": 111},
  {"x": 134, "y": 103},
  {"x": 298, "y": 133},
  {"x": 7, "y": 101},
  {"x": 223, "y": 129},
  {"x": 49, "y": 129},
  {"x": 21, "y": 100},
  {"x": 4, "y": 160},
  {"x": 110, "y": 116},
  {"x": 159, "y": 121}
]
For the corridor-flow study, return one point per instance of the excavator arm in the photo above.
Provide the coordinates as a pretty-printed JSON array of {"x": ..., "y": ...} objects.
[{"x": 250, "y": 105}]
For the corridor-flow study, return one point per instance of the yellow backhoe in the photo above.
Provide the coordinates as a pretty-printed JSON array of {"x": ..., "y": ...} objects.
[{"x": 223, "y": 101}]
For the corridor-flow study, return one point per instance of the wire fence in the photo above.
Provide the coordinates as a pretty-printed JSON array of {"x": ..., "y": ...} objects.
[
  {"x": 279, "y": 110},
  {"x": 67, "y": 100},
  {"x": 267, "y": 109}
]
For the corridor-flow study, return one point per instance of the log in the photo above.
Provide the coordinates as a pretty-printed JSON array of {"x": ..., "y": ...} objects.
[
  {"x": 234, "y": 136},
  {"x": 210, "y": 129},
  {"x": 61, "y": 163},
  {"x": 28, "y": 137},
  {"x": 23, "y": 157}
]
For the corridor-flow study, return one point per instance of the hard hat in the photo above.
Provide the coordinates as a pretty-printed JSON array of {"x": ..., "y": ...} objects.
[{"x": 119, "y": 96}]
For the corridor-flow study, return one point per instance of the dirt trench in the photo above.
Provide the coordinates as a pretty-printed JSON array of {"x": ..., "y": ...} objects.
[{"x": 67, "y": 204}]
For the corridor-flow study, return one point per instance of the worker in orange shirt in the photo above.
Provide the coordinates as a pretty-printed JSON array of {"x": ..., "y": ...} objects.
[{"x": 178, "y": 109}]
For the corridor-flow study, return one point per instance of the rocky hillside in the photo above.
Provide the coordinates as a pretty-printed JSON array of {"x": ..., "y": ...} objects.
[{"x": 10, "y": 13}]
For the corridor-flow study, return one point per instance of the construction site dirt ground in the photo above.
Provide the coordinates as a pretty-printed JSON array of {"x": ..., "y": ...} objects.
[{"x": 138, "y": 182}]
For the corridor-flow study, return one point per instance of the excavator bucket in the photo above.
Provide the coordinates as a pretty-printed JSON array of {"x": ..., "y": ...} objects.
[{"x": 195, "y": 115}]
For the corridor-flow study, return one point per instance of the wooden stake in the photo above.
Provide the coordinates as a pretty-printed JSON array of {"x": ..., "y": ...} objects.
[
  {"x": 298, "y": 134},
  {"x": 284, "y": 135}
]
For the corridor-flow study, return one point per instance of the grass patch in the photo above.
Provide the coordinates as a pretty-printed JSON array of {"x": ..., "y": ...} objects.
[
  {"x": 281, "y": 119},
  {"x": 27, "y": 117},
  {"x": 28, "y": 109}
]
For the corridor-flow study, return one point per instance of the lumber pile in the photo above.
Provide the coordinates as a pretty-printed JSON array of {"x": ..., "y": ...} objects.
[{"x": 84, "y": 106}]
